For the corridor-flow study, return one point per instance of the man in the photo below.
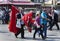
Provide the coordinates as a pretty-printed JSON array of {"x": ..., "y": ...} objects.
[
  {"x": 19, "y": 16},
  {"x": 12, "y": 25},
  {"x": 54, "y": 20},
  {"x": 44, "y": 22}
]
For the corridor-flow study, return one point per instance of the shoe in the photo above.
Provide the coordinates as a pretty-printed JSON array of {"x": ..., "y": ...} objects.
[
  {"x": 43, "y": 38},
  {"x": 46, "y": 37},
  {"x": 16, "y": 36},
  {"x": 33, "y": 37},
  {"x": 39, "y": 35},
  {"x": 23, "y": 37},
  {"x": 50, "y": 29},
  {"x": 58, "y": 29}
]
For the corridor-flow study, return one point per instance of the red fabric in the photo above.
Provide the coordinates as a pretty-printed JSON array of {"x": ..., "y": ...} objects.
[
  {"x": 12, "y": 24},
  {"x": 26, "y": 18}
]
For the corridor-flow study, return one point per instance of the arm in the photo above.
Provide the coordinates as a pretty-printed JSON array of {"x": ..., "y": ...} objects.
[{"x": 44, "y": 17}]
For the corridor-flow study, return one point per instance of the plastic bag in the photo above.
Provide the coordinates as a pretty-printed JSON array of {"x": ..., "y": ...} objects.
[{"x": 18, "y": 24}]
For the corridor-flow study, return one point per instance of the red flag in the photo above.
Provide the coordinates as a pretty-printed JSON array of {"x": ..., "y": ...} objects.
[
  {"x": 26, "y": 18},
  {"x": 12, "y": 25}
]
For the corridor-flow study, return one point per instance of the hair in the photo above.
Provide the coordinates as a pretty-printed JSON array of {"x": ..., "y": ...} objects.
[
  {"x": 18, "y": 16},
  {"x": 37, "y": 14}
]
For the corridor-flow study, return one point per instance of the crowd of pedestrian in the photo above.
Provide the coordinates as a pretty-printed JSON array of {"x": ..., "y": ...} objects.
[
  {"x": 4, "y": 15},
  {"x": 37, "y": 20}
]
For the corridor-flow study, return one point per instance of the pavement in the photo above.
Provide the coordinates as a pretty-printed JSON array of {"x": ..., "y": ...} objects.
[{"x": 5, "y": 35}]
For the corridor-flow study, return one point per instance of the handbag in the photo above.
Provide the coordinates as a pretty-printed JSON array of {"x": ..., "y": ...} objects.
[{"x": 18, "y": 24}]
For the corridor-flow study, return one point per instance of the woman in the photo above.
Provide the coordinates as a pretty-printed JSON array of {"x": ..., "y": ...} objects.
[{"x": 38, "y": 27}]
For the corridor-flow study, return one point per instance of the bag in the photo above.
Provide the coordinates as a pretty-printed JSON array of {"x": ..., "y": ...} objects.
[
  {"x": 18, "y": 24},
  {"x": 38, "y": 26},
  {"x": 22, "y": 22}
]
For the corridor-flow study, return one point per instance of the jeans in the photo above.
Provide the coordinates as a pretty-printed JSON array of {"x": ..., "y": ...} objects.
[{"x": 45, "y": 30}]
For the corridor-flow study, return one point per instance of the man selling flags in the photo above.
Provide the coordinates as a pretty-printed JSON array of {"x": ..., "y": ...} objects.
[{"x": 27, "y": 18}]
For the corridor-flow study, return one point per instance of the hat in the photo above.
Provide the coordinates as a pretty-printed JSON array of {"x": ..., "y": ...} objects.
[{"x": 20, "y": 8}]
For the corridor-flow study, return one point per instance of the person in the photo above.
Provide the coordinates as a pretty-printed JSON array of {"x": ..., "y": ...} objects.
[
  {"x": 28, "y": 20},
  {"x": 54, "y": 20},
  {"x": 44, "y": 22},
  {"x": 49, "y": 17},
  {"x": 20, "y": 25},
  {"x": 3, "y": 15},
  {"x": 38, "y": 27},
  {"x": 7, "y": 18},
  {"x": 12, "y": 25}
]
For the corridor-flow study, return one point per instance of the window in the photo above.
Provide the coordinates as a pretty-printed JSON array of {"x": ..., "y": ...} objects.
[
  {"x": 58, "y": 0},
  {"x": 46, "y": 0},
  {"x": 37, "y": 1},
  {"x": 41, "y": 0}
]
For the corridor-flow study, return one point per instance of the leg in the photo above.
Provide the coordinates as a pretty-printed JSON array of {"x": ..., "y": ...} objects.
[
  {"x": 41, "y": 33},
  {"x": 45, "y": 31},
  {"x": 49, "y": 24},
  {"x": 57, "y": 26},
  {"x": 22, "y": 32},
  {"x": 2, "y": 21},
  {"x": 52, "y": 24},
  {"x": 16, "y": 34},
  {"x": 35, "y": 33}
]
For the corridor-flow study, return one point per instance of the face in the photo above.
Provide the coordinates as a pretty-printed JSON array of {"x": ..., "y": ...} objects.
[
  {"x": 44, "y": 10},
  {"x": 52, "y": 11},
  {"x": 39, "y": 15}
]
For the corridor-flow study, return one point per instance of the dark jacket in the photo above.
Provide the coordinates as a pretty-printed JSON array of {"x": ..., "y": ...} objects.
[{"x": 55, "y": 17}]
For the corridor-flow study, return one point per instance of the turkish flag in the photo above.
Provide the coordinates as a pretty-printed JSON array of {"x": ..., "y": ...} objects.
[
  {"x": 27, "y": 18},
  {"x": 12, "y": 24}
]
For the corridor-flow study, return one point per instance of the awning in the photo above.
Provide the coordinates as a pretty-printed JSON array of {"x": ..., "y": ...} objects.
[
  {"x": 19, "y": 3},
  {"x": 23, "y": 3},
  {"x": 5, "y": 2}
]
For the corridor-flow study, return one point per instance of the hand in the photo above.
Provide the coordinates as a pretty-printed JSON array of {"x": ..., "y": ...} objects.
[
  {"x": 41, "y": 28},
  {"x": 38, "y": 26},
  {"x": 48, "y": 19}
]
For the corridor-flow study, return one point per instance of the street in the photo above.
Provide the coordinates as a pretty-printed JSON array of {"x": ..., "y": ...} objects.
[{"x": 5, "y": 35}]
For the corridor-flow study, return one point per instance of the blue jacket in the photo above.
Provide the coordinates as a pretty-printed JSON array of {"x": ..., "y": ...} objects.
[{"x": 43, "y": 21}]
